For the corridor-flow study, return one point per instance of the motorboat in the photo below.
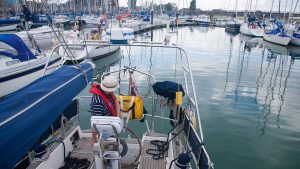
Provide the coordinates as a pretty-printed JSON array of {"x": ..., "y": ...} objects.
[
  {"x": 58, "y": 140},
  {"x": 20, "y": 65},
  {"x": 232, "y": 26},
  {"x": 202, "y": 20},
  {"x": 221, "y": 21},
  {"x": 93, "y": 45}
]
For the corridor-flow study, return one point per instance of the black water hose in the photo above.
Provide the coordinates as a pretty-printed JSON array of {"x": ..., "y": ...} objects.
[{"x": 162, "y": 146}]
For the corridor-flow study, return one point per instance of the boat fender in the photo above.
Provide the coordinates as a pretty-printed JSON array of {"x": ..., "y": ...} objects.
[
  {"x": 39, "y": 151},
  {"x": 182, "y": 161}
]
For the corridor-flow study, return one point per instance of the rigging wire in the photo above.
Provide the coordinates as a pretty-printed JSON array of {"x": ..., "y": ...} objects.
[{"x": 63, "y": 43}]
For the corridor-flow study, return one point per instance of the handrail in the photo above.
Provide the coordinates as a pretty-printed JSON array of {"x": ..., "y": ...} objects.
[
  {"x": 159, "y": 45},
  {"x": 129, "y": 68},
  {"x": 49, "y": 59}
]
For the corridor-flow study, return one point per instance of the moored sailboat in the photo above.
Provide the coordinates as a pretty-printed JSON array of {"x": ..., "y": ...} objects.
[
  {"x": 277, "y": 35},
  {"x": 19, "y": 65},
  {"x": 296, "y": 37},
  {"x": 182, "y": 146}
]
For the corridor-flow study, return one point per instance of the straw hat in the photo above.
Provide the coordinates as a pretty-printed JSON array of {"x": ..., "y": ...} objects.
[{"x": 109, "y": 84}]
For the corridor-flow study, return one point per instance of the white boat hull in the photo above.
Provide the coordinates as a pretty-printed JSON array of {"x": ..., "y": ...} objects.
[
  {"x": 42, "y": 35},
  {"x": 18, "y": 80},
  {"x": 93, "y": 52},
  {"x": 42, "y": 40},
  {"x": 8, "y": 27},
  {"x": 252, "y": 32},
  {"x": 295, "y": 41},
  {"x": 277, "y": 39}
]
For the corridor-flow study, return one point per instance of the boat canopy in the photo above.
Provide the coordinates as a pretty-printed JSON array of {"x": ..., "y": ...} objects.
[
  {"x": 14, "y": 41},
  {"x": 27, "y": 113},
  {"x": 279, "y": 25}
]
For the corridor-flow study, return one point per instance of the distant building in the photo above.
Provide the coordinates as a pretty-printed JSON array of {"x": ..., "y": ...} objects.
[{"x": 187, "y": 11}]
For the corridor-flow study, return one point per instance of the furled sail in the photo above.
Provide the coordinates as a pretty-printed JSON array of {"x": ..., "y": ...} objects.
[{"x": 28, "y": 112}]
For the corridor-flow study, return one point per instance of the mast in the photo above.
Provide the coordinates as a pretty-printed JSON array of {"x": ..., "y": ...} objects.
[
  {"x": 236, "y": 4},
  {"x": 279, "y": 7},
  {"x": 295, "y": 8},
  {"x": 3, "y": 9},
  {"x": 290, "y": 13},
  {"x": 285, "y": 9},
  {"x": 74, "y": 6},
  {"x": 152, "y": 12},
  {"x": 106, "y": 5},
  {"x": 160, "y": 7},
  {"x": 151, "y": 20},
  {"x": 271, "y": 9},
  {"x": 89, "y": 6},
  {"x": 255, "y": 6}
]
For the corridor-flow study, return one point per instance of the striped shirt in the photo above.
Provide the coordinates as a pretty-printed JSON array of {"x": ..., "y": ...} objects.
[{"x": 98, "y": 106}]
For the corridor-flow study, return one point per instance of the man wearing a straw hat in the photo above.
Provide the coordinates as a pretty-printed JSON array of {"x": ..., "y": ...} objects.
[{"x": 104, "y": 101}]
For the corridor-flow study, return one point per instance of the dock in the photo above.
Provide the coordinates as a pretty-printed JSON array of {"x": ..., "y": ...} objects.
[{"x": 149, "y": 27}]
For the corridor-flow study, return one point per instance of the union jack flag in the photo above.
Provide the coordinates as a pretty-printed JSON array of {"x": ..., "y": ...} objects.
[{"x": 132, "y": 87}]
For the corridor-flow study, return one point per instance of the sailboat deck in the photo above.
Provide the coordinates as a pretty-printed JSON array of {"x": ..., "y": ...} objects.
[
  {"x": 146, "y": 160},
  {"x": 83, "y": 150}
]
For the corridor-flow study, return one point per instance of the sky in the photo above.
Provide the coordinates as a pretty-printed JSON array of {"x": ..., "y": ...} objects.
[{"x": 264, "y": 5}]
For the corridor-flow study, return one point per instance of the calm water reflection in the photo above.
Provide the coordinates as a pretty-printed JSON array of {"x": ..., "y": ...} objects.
[{"x": 247, "y": 89}]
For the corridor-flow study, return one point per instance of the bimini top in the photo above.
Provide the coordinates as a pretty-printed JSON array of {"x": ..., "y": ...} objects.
[
  {"x": 14, "y": 41},
  {"x": 27, "y": 113}
]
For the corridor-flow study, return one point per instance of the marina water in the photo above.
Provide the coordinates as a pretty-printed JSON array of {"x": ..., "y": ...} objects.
[{"x": 247, "y": 91}]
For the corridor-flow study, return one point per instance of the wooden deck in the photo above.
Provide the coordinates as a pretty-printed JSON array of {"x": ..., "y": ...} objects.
[
  {"x": 83, "y": 150},
  {"x": 147, "y": 161}
]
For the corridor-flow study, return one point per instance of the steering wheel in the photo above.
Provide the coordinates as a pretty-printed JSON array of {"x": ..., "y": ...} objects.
[{"x": 132, "y": 159}]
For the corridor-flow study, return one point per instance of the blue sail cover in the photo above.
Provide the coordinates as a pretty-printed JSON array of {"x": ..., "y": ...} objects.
[
  {"x": 9, "y": 21},
  {"x": 28, "y": 112},
  {"x": 296, "y": 35},
  {"x": 24, "y": 53},
  {"x": 274, "y": 32},
  {"x": 278, "y": 23}
]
